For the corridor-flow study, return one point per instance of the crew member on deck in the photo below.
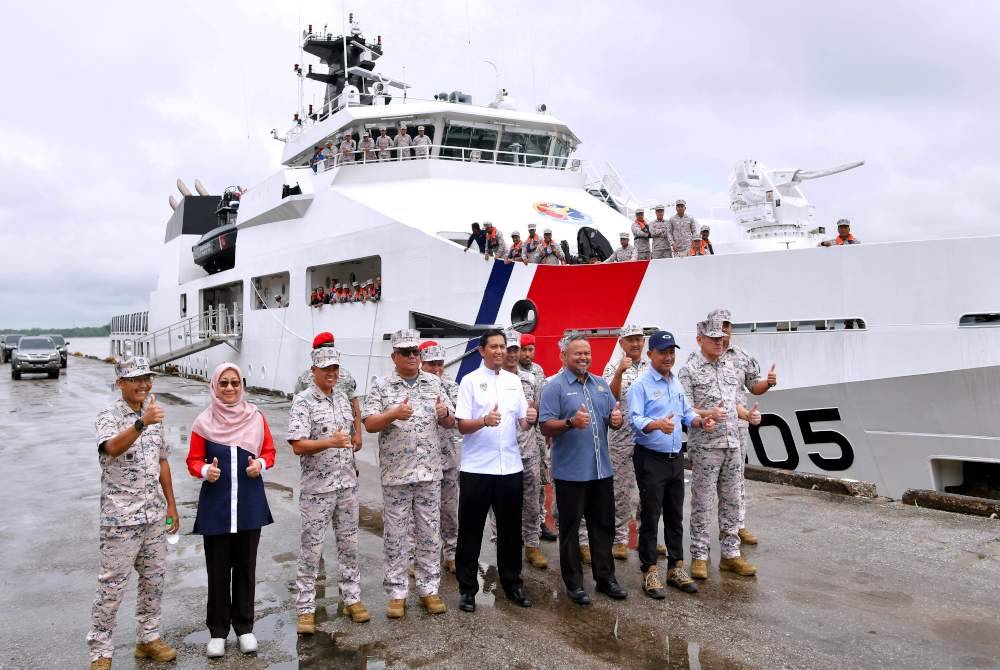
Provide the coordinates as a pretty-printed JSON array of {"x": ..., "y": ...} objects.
[
  {"x": 683, "y": 230},
  {"x": 532, "y": 243},
  {"x": 347, "y": 149},
  {"x": 659, "y": 232},
  {"x": 703, "y": 246},
  {"x": 316, "y": 159},
  {"x": 367, "y": 147},
  {"x": 230, "y": 449},
  {"x": 640, "y": 231},
  {"x": 421, "y": 143},
  {"x": 402, "y": 143},
  {"x": 496, "y": 247},
  {"x": 517, "y": 251},
  {"x": 550, "y": 253},
  {"x": 623, "y": 253},
  {"x": 844, "y": 236},
  {"x": 384, "y": 145}
]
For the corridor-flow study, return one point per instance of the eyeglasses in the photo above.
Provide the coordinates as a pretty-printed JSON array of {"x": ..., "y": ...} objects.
[
  {"x": 406, "y": 353},
  {"x": 226, "y": 383},
  {"x": 146, "y": 379}
]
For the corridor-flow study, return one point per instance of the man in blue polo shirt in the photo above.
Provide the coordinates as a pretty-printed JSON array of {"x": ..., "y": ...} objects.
[
  {"x": 657, "y": 409},
  {"x": 577, "y": 410}
]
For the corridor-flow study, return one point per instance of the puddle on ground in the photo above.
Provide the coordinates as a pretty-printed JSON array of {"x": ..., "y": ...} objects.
[
  {"x": 286, "y": 557},
  {"x": 171, "y": 399},
  {"x": 370, "y": 519},
  {"x": 286, "y": 491},
  {"x": 489, "y": 578}
]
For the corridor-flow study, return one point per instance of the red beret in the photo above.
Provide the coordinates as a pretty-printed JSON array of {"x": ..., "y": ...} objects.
[
  {"x": 321, "y": 339},
  {"x": 526, "y": 339},
  {"x": 428, "y": 343}
]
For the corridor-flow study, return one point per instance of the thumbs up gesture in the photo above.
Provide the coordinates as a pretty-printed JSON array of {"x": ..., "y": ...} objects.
[
  {"x": 719, "y": 413},
  {"x": 624, "y": 364},
  {"x": 493, "y": 417},
  {"x": 253, "y": 467},
  {"x": 617, "y": 419},
  {"x": 772, "y": 376},
  {"x": 582, "y": 418},
  {"x": 754, "y": 416},
  {"x": 154, "y": 412},
  {"x": 341, "y": 439},
  {"x": 667, "y": 424},
  {"x": 214, "y": 472},
  {"x": 708, "y": 424},
  {"x": 440, "y": 408},
  {"x": 532, "y": 415},
  {"x": 403, "y": 410}
]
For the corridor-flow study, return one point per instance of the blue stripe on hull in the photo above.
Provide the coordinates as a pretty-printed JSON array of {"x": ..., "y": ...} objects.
[{"x": 489, "y": 308}]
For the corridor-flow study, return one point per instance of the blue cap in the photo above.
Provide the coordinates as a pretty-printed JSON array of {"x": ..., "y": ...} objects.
[{"x": 661, "y": 340}]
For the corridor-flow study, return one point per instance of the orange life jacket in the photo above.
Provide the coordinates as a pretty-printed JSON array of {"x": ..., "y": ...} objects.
[
  {"x": 702, "y": 247},
  {"x": 839, "y": 241}
]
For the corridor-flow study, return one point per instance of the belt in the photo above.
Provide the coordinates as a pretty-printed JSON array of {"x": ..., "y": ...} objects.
[{"x": 662, "y": 454}]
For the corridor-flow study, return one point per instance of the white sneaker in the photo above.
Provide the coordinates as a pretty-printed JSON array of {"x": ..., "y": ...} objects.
[
  {"x": 216, "y": 647},
  {"x": 248, "y": 643}
]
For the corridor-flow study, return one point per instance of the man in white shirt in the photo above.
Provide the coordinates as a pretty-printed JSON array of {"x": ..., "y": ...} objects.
[{"x": 491, "y": 407}]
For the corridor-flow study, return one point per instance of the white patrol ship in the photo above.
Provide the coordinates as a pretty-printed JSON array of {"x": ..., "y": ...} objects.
[{"x": 888, "y": 355}]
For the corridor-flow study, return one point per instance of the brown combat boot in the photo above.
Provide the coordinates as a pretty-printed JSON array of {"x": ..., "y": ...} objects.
[
  {"x": 746, "y": 537},
  {"x": 306, "y": 624},
  {"x": 699, "y": 568},
  {"x": 433, "y": 604},
  {"x": 585, "y": 553},
  {"x": 357, "y": 611},
  {"x": 396, "y": 609},
  {"x": 534, "y": 556},
  {"x": 449, "y": 565},
  {"x": 739, "y": 565},
  {"x": 661, "y": 550},
  {"x": 620, "y": 551},
  {"x": 157, "y": 649},
  {"x": 101, "y": 664}
]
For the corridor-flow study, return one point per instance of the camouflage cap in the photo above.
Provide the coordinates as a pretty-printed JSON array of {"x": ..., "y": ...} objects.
[
  {"x": 131, "y": 367},
  {"x": 844, "y": 222},
  {"x": 513, "y": 338},
  {"x": 706, "y": 229},
  {"x": 547, "y": 231},
  {"x": 710, "y": 328},
  {"x": 407, "y": 338},
  {"x": 660, "y": 207},
  {"x": 640, "y": 210},
  {"x": 721, "y": 314},
  {"x": 629, "y": 329},
  {"x": 681, "y": 203},
  {"x": 487, "y": 224},
  {"x": 432, "y": 353},
  {"x": 624, "y": 235},
  {"x": 515, "y": 234},
  {"x": 532, "y": 226},
  {"x": 325, "y": 357}
]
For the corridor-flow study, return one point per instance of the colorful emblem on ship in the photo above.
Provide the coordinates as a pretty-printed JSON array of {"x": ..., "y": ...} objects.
[{"x": 561, "y": 212}]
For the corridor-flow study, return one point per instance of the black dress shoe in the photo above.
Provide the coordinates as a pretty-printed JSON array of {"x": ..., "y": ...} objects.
[
  {"x": 612, "y": 590},
  {"x": 579, "y": 596},
  {"x": 467, "y": 602},
  {"x": 547, "y": 534},
  {"x": 519, "y": 596}
]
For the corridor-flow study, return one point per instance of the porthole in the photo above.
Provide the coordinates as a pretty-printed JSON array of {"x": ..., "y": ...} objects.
[{"x": 524, "y": 315}]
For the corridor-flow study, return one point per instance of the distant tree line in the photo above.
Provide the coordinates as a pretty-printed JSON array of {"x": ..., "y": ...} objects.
[{"x": 85, "y": 331}]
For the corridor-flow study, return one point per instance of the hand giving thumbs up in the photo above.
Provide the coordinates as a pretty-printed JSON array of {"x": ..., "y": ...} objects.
[
  {"x": 582, "y": 417},
  {"x": 253, "y": 467},
  {"x": 154, "y": 412},
  {"x": 617, "y": 419},
  {"x": 493, "y": 417},
  {"x": 214, "y": 472},
  {"x": 403, "y": 410}
]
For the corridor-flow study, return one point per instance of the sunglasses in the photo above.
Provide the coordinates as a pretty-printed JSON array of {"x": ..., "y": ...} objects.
[
  {"x": 226, "y": 383},
  {"x": 148, "y": 379},
  {"x": 406, "y": 353}
]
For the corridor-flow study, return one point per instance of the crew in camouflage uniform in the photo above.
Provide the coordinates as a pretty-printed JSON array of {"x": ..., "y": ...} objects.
[
  {"x": 526, "y": 361},
  {"x": 421, "y": 144},
  {"x": 384, "y": 145},
  {"x": 641, "y": 233},
  {"x": 682, "y": 231},
  {"x": 549, "y": 252},
  {"x": 621, "y": 443},
  {"x": 659, "y": 231},
  {"x": 750, "y": 369},
  {"x": 527, "y": 442},
  {"x": 432, "y": 361},
  {"x": 367, "y": 147},
  {"x": 345, "y": 383},
  {"x": 136, "y": 499},
  {"x": 347, "y": 149},
  {"x": 623, "y": 253},
  {"x": 402, "y": 143},
  {"x": 712, "y": 383},
  {"x": 319, "y": 425},
  {"x": 405, "y": 408}
]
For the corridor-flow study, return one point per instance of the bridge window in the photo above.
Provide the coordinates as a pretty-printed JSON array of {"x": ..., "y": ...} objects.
[
  {"x": 979, "y": 320},
  {"x": 799, "y": 326},
  {"x": 521, "y": 146},
  {"x": 270, "y": 291},
  {"x": 345, "y": 273},
  {"x": 470, "y": 141}
]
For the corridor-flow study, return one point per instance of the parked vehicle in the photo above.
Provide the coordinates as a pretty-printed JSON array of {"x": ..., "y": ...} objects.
[
  {"x": 7, "y": 344},
  {"x": 62, "y": 346},
  {"x": 35, "y": 355}
]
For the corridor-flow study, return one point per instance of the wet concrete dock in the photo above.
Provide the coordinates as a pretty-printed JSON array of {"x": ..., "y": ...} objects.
[{"x": 842, "y": 582}]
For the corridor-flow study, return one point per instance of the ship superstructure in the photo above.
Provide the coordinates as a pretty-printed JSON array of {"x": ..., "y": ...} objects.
[{"x": 888, "y": 355}]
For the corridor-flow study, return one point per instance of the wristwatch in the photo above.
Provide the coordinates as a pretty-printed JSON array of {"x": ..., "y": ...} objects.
[
  {"x": 569, "y": 423},
  {"x": 138, "y": 425}
]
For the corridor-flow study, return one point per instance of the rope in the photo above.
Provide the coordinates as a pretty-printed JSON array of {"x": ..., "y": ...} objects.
[{"x": 281, "y": 322}]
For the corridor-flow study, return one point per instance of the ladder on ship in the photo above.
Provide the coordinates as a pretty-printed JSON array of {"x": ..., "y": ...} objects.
[{"x": 217, "y": 325}]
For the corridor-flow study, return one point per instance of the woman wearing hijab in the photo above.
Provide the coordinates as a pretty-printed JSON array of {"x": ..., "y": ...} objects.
[{"x": 231, "y": 447}]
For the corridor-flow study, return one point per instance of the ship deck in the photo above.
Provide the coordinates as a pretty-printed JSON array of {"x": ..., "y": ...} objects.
[{"x": 842, "y": 582}]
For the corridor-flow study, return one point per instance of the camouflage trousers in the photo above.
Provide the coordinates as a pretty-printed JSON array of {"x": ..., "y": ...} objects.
[
  {"x": 318, "y": 511},
  {"x": 744, "y": 450},
  {"x": 625, "y": 488},
  {"x": 418, "y": 507},
  {"x": 715, "y": 471},
  {"x": 144, "y": 548},
  {"x": 449, "y": 513},
  {"x": 543, "y": 478},
  {"x": 532, "y": 484}
]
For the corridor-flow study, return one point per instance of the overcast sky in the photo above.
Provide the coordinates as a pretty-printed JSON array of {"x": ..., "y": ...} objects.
[{"x": 106, "y": 104}]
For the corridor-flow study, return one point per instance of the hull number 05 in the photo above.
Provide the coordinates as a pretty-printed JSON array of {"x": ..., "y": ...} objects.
[{"x": 805, "y": 417}]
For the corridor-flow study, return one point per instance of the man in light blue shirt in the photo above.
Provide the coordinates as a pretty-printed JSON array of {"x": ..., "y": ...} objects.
[{"x": 657, "y": 408}]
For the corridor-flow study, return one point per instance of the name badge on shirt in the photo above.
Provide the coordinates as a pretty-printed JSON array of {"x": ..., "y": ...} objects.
[
  {"x": 484, "y": 386},
  {"x": 657, "y": 394}
]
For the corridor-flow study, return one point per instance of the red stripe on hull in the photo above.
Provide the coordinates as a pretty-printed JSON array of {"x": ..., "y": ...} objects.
[{"x": 580, "y": 297}]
